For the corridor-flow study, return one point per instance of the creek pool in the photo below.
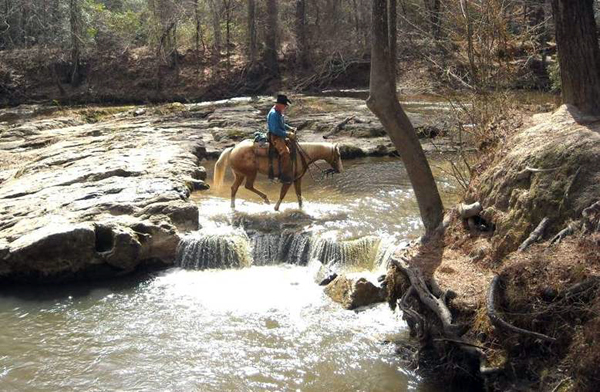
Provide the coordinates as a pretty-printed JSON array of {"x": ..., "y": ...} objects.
[{"x": 259, "y": 328}]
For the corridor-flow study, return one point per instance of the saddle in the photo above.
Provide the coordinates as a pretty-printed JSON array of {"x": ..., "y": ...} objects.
[{"x": 263, "y": 148}]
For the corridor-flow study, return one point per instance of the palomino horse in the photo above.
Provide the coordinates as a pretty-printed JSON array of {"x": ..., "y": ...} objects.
[{"x": 246, "y": 165}]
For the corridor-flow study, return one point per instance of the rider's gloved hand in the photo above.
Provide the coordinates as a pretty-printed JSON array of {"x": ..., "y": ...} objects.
[{"x": 291, "y": 135}]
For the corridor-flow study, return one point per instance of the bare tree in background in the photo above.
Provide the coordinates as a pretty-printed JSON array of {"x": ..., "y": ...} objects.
[
  {"x": 384, "y": 103},
  {"x": 216, "y": 22},
  {"x": 252, "y": 39},
  {"x": 76, "y": 36},
  {"x": 272, "y": 37},
  {"x": 578, "y": 53},
  {"x": 301, "y": 33}
]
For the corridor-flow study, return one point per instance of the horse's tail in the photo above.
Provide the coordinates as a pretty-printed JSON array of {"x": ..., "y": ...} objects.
[{"x": 220, "y": 167}]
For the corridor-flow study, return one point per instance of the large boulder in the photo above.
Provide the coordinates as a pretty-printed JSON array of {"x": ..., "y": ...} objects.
[{"x": 352, "y": 293}]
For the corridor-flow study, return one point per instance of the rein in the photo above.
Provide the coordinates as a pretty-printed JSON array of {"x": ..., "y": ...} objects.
[{"x": 303, "y": 154}]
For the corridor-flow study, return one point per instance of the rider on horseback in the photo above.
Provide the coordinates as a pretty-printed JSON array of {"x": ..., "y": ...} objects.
[{"x": 278, "y": 131}]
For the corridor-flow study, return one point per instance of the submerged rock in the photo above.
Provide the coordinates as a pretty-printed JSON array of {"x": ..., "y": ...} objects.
[{"x": 353, "y": 293}]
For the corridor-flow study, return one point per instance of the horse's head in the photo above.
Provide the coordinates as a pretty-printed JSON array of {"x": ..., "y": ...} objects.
[{"x": 336, "y": 159}]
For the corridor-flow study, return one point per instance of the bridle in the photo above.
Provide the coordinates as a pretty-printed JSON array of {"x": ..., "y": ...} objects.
[{"x": 305, "y": 157}]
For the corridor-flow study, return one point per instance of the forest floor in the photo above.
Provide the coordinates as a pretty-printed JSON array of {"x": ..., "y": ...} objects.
[{"x": 545, "y": 168}]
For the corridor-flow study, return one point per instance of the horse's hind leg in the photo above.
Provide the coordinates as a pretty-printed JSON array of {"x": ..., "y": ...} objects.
[
  {"x": 250, "y": 187},
  {"x": 238, "y": 178},
  {"x": 298, "y": 188},
  {"x": 284, "y": 189}
]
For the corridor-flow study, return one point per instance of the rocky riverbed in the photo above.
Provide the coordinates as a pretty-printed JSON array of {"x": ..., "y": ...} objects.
[{"x": 100, "y": 191}]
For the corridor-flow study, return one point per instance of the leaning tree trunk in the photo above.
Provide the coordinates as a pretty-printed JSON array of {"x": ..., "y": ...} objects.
[
  {"x": 392, "y": 37},
  {"x": 578, "y": 53},
  {"x": 384, "y": 104}
]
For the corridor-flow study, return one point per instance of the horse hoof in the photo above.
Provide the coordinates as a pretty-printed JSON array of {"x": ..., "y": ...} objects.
[
  {"x": 267, "y": 202},
  {"x": 276, "y": 208}
]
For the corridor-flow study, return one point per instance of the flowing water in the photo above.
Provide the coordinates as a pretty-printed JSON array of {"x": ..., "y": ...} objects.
[{"x": 241, "y": 312}]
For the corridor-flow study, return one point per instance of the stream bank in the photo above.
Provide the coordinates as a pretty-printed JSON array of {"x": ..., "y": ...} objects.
[{"x": 521, "y": 277}]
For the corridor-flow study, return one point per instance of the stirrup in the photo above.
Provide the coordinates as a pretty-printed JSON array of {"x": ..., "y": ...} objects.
[{"x": 285, "y": 179}]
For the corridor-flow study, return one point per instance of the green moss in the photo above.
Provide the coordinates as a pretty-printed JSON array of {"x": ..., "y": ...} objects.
[
  {"x": 236, "y": 134},
  {"x": 170, "y": 108},
  {"x": 95, "y": 115}
]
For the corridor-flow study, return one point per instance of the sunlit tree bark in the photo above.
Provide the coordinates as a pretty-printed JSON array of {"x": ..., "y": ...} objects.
[
  {"x": 384, "y": 103},
  {"x": 578, "y": 53}
]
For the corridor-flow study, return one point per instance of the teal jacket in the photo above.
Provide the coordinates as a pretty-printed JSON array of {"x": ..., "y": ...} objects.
[{"x": 276, "y": 123}]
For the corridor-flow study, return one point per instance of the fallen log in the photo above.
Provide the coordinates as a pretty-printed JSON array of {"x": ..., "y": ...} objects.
[
  {"x": 535, "y": 234},
  {"x": 499, "y": 323},
  {"x": 338, "y": 127}
]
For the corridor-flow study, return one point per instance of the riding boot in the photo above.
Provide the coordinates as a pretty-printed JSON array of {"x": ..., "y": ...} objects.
[{"x": 286, "y": 176}]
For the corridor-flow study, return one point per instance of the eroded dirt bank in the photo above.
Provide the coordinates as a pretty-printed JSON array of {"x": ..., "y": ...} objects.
[
  {"x": 99, "y": 191},
  {"x": 495, "y": 309}
]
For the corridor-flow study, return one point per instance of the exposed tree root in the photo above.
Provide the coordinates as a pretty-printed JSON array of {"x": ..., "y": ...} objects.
[
  {"x": 526, "y": 173},
  {"x": 451, "y": 332},
  {"x": 499, "y": 323},
  {"x": 579, "y": 288},
  {"x": 567, "y": 231},
  {"x": 535, "y": 234},
  {"x": 467, "y": 211}
]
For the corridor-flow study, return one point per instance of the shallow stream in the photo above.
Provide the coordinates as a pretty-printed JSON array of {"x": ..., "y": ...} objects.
[{"x": 263, "y": 327}]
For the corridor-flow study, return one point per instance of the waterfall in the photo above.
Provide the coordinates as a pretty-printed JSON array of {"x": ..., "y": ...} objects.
[
  {"x": 215, "y": 250},
  {"x": 357, "y": 253},
  {"x": 236, "y": 247},
  {"x": 289, "y": 247}
]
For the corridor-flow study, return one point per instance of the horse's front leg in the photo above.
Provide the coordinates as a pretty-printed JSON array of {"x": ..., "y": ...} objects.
[
  {"x": 298, "y": 188},
  {"x": 284, "y": 189}
]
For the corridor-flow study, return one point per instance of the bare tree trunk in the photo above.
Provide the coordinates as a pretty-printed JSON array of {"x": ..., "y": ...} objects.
[
  {"x": 216, "y": 20},
  {"x": 252, "y": 43},
  {"x": 198, "y": 26},
  {"x": 227, "y": 4},
  {"x": 272, "y": 37},
  {"x": 384, "y": 104},
  {"x": 75, "y": 20},
  {"x": 578, "y": 53},
  {"x": 356, "y": 19},
  {"x": 434, "y": 8},
  {"x": 470, "y": 49},
  {"x": 301, "y": 33}
]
